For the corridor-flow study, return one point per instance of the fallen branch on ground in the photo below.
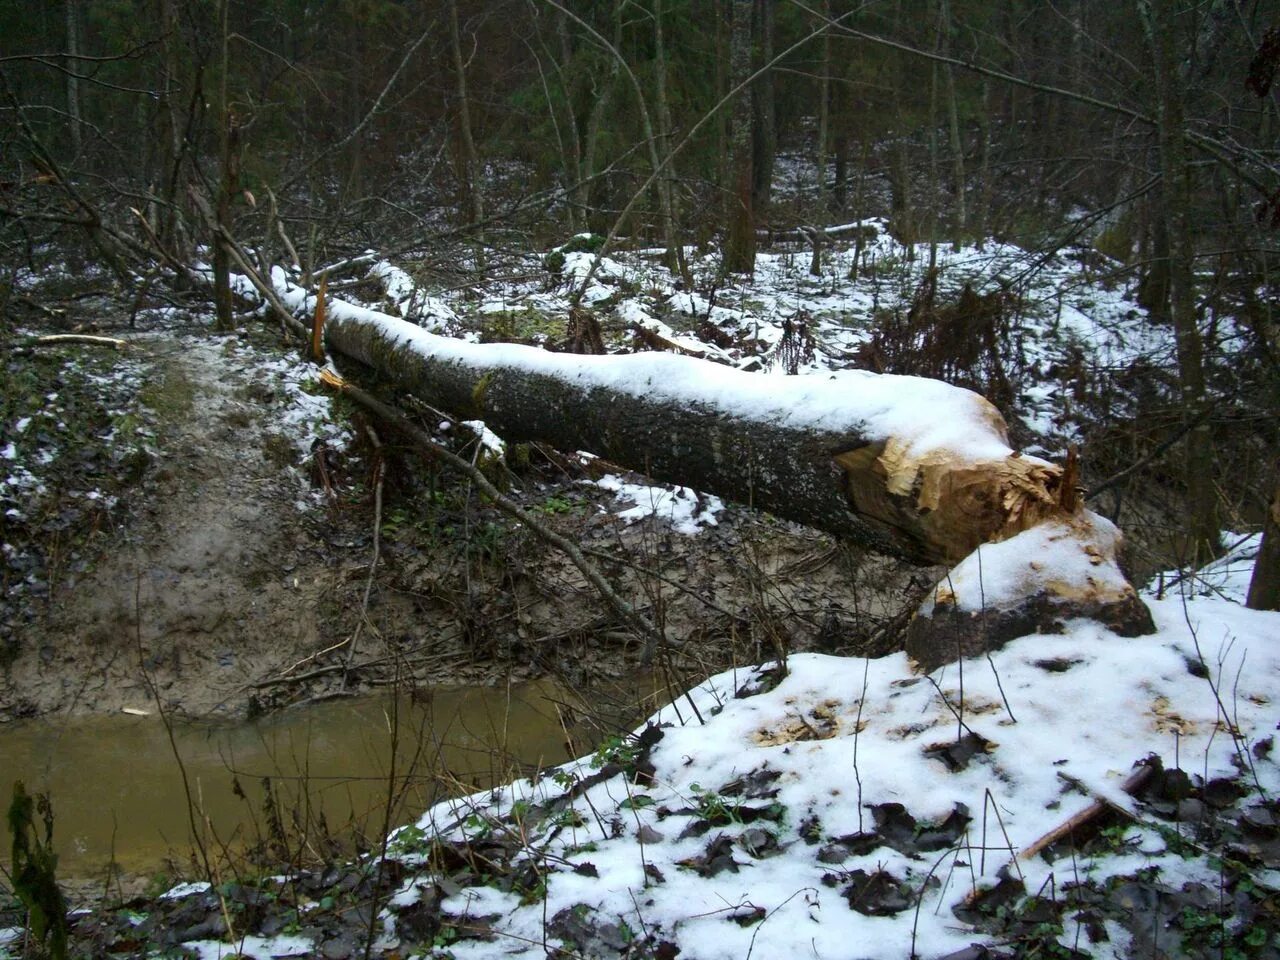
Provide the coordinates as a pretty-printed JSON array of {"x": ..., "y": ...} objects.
[{"x": 58, "y": 339}]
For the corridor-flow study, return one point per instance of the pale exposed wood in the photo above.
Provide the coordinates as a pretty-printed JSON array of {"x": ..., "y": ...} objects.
[
  {"x": 1099, "y": 806},
  {"x": 56, "y": 339}
]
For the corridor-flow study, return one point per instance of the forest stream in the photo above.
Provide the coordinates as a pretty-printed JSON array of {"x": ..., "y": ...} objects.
[{"x": 118, "y": 794}]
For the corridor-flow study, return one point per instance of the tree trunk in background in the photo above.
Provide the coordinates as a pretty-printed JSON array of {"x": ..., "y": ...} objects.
[
  {"x": 900, "y": 207},
  {"x": 935, "y": 174},
  {"x": 740, "y": 243},
  {"x": 224, "y": 307},
  {"x": 859, "y": 211},
  {"x": 957, "y": 144},
  {"x": 472, "y": 182},
  {"x": 1264, "y": 588},
  {"x": 1203, "y": 527},
  {"x": 577, "y": 192},
  {"x": 724, "y": 118},
  {"x": 73, "y": 70},
  {"x": 824, "y": 109},
  {"x": 839, "y": 171},
  {"x": 764, "y": 134},
  {"x": 675, "y": 261},
  {"x": 170, "y": 226},
  {"x": 595, "y": 121},
  {"x": 982, "y": 215}
]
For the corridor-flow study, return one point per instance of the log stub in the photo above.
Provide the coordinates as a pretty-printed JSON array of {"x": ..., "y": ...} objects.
[{"x": 1032, "y": 583}]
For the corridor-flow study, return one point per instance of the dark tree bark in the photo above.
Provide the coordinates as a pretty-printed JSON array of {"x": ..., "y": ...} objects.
[
  {"x": 1203, "y": 527},
  {"x": 740, "y": 244},
  {"x": 72, "y": 12},
  {"x": 675, "y": 259},
  {"x": 228, "y": 137},
  {"x": 472, "y": 182},
  {"x": 824, "y": 113},
  {"x": 764, "y": 134},
  {"x": 1264, "y": 588}
]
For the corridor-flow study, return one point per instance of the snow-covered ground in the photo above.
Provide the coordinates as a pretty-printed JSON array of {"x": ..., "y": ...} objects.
[
  {"x": 834, "y": 806},
  {"x": 842, "y": 807},
  {"x": 851, "y": 802}
]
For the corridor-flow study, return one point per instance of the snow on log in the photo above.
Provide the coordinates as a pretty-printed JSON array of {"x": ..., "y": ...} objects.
[
  {"x": 905, "y": 465},
  {"x": 1060, "y": 570}
]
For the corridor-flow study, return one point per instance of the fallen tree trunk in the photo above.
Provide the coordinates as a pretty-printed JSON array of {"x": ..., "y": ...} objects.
[{"x": 904, "y": 465}]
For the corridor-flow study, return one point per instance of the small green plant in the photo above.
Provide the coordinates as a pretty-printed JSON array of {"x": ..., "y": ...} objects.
[
  {"x": 1209, "y": 931},
  {"x": 568, "y": 818},
  {"x": 1116, "y": 837},
  {"x": 158, "y": 884},
  {"x": 584, "y": 243},
  {"x": 534, "y": 893},
  {"x": 555, "y": 505},
  {"x": 34, "y": 870},
  {"x": 714, "y": 808},
  {"x": 478, "y": 826},
  {"x": 408, "y": 840},
  {"x": 1176, "y": 842},
  {"x": 619, "y": 750}
]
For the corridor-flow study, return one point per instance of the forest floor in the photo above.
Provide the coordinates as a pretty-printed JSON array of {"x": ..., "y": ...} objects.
[
  {"x": 220, "y": 560},
  {"x": 192, "y": 519}
]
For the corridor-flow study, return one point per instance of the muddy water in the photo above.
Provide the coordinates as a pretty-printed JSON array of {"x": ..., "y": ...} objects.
[{"x": 118, "y": 792}]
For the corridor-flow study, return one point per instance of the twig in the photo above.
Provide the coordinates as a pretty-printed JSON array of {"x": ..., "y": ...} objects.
[
  {"x": 1100, "y": 805},
  {"x": 379, "y": 470},
  {"x": 241, "y": 258}
]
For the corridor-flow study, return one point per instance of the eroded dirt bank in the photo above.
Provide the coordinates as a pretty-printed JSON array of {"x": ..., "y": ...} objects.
[
  {"x": 234, "y": 577},
  {"x": 214, "y": 574}
]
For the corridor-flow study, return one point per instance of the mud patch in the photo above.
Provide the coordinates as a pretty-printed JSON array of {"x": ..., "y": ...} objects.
[
  {"x": 215, "y": 575},
  {"x": 235, "y": 577}
]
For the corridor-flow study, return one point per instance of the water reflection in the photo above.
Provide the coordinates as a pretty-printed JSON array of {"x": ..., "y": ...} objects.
[{"x": 118, "y": 792}]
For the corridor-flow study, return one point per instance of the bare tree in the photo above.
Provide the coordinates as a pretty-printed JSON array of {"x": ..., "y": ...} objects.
[
  {"x": 472, "y": 182},
  {"x": 740, "y": 243},
  {"x": 1264, "y": 588},
  {"x": 1160, "y": 23}
]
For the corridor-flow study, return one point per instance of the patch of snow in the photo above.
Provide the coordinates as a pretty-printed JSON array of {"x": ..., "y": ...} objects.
[
  {"x": 686, "y": 510},
  {"x": 490, "y": 443},
  {"x": 1227, "y": 577},
  {"x": 413, "y": 304},
  {"x": 1060, "y": 557},
  {"x": 259, "y": 948},
  {"x": 185, "y": 890}
]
